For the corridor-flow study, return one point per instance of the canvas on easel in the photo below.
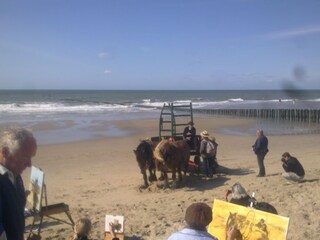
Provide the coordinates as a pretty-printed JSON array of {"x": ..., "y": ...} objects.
[
  {"x": 118, "y": 222},
  {"x": 36, "y": 188},
  {"x": 252, "y": 223},
  {"x": 39, "y": 207}
]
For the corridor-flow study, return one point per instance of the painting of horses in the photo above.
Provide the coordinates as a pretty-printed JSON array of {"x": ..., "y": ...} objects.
[{"x": 252, "y": 223}]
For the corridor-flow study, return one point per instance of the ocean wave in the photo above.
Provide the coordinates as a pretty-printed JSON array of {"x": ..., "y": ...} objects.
[
  {"x": 282, "y": 100},
  {"x": 313, "y": 100},
  {"x": 148, "y": 105},
  {"x": 59, "y": 107},
  {"x": 235, "y": 100}
]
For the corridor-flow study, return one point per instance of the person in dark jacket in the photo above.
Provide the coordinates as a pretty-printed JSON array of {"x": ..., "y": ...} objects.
[
  {"x": 189, "y": 134},
  {"x": 17, "y": 147},
  {"x": 292, "y": 167},
  {"x": 260, "y": 148}
]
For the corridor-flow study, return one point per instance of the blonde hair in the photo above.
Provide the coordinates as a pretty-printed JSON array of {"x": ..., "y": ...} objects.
[{"x": 82, "y": 228}]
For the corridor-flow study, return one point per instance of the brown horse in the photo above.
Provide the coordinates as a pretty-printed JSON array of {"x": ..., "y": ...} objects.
[
  {"x": 172, "y": 156},
  {"x": 144, "y": 157}
]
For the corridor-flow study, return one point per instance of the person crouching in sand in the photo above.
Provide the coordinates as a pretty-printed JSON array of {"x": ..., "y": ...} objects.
[{"x": 292, "y": 167}]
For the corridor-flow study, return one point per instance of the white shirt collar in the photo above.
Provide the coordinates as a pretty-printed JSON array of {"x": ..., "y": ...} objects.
[{"x": 4, "y": 170}]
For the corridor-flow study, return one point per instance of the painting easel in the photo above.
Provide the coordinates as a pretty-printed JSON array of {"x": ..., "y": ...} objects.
[{"x": 39, "y": 205}]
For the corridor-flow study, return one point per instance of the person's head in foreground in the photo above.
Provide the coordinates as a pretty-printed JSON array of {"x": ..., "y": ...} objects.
[
  {"x": 17, "y": 146},
  {"x": 82, "y": 229},
  {"x": 198, "y": 216}
]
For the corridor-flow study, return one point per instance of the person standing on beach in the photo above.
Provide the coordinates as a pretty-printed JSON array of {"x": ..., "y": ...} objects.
[
  {"x": 17, "y": 147},
  {"x": 207, "y": 158},
  {"x": 292, "y": 167},
  {"x": 260, "y": 148},
  {"x": 189, "y": 134}
]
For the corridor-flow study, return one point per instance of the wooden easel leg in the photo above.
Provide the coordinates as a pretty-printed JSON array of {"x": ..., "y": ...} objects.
[
  {"x": 40, "y": 225},
  {"x": 70, "y": 218}
]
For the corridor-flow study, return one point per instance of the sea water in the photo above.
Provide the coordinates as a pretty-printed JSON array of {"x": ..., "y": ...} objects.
[{"x": 75, "y": 114}]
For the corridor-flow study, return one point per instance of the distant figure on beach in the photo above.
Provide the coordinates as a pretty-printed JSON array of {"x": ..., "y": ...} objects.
[
  {"x": 197, "y": 218},
  {"x": 292, "y": 167},
  {"x": 215, "y": 160},
  {"x": 240, "y": 196},
  {"x": 189, "y": 134},
  {"x": 208, "y": 158},
  {"x": 17, "y": 147},
  {"x": 260, "y": 148},
  {"x": 82, "y": 229}
]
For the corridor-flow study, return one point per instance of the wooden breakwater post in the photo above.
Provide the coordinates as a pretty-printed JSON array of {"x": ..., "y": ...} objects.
[{"x": 293, "y": 115}]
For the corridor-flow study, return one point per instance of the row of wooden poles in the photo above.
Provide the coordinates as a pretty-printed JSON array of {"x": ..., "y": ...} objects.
[{"x": 294, "y": 115}]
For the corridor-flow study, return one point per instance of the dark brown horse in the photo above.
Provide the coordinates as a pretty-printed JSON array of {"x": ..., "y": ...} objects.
[
  {"x": 172, "y": 156},
  {"x": 144, "y": 157}
]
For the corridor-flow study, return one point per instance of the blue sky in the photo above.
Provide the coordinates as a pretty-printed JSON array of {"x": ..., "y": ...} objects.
[{"x": 164, "y": 44}]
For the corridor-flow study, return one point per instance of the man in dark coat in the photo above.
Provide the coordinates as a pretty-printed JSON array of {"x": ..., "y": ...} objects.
[
  {"x": 17, "y": 147},
  {"x": 260, "y": 148}
]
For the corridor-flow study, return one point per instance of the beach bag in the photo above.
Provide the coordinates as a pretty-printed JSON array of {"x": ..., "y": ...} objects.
[{"x": 210, "y": 149}]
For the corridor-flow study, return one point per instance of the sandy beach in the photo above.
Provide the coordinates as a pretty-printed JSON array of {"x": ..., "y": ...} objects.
[{"x": 101, "y": 176}]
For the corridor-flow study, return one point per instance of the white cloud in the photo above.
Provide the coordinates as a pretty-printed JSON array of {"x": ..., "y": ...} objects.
[
  {"x": 107, "y": 71},
  {"x": 103, "y": 54},
  {"x": 294, "y": 32}
]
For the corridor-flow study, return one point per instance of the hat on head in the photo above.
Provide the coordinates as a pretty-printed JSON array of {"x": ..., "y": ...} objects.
[
  {"x": 204, "y": 133},
  {"x": 191, "y": 123},
  {"x": 198, "y": 216}
]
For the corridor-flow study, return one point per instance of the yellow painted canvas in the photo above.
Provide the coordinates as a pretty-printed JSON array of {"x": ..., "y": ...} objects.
[{"x": 253, "y": 224}]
